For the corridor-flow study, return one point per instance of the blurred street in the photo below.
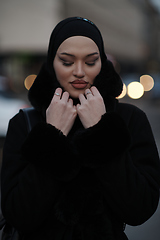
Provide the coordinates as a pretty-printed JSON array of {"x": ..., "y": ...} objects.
[
  {"x": 131, "y": 34},
  {"x": 151, "y": 229}
]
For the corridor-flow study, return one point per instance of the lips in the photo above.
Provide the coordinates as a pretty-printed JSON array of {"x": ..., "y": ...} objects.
[{"x": 79, "y": 84}]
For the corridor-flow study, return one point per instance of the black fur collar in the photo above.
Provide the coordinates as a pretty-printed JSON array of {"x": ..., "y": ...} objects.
[{"x": 40, "y": 94}]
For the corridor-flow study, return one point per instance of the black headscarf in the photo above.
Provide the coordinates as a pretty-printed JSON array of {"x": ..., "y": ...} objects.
[
  {"x": 74, "y": 26},
  {"x": 108, "y": 81}
]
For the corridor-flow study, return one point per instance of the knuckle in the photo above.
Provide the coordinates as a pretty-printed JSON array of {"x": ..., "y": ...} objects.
[
  {"x": 62, "y": 104},
  {"x": 55, "y": 101},
  {"x": 84, "y": 106},
  {"x": 100, "y": 99},
  {"x": 91, "y": 100}
]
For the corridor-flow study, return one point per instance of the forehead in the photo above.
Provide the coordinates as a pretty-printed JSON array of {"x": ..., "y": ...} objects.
[{"x": 78, "y": 44}]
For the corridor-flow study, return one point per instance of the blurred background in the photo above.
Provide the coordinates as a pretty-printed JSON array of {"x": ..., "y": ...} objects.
[{"x": 131, "y": 32}]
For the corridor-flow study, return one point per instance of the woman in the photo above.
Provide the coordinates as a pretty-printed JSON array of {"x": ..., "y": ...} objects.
[{"x": 91, "y": 165}]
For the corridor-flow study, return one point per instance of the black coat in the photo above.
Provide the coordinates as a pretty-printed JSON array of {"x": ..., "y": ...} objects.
[{"x": 83, "y": 186}]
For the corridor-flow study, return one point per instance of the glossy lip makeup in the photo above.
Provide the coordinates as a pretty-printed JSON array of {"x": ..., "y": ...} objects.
[{"x": 79, "y": 84}]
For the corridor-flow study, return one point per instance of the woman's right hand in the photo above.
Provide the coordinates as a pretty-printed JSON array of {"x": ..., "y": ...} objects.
[{"x": 61, "y": 113}]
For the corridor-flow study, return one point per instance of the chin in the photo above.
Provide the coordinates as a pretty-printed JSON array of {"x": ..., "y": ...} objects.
[{"x": 75, "y": 94}]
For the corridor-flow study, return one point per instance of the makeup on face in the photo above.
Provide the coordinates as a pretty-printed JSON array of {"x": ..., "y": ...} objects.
[
  {"x": 76, "y": 64},
  {"x": 79, "y": 84},
  {"x": 69, "y": 59}
]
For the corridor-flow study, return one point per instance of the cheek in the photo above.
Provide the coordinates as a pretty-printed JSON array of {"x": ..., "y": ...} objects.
[
  {"x": 94, "y": 72},
  {"x": 62, "y": 73}
]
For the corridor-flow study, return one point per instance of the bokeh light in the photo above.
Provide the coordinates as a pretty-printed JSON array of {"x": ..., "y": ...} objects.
[
  {"x": 29, "y": 81},
  {"x": 147, "y": 81},
  {"x": 124, "y": 91},
  {"x": 135, "y": 90}
]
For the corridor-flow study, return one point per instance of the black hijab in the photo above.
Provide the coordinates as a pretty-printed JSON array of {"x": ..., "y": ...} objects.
[
  {"x": 74, "y": 26},
  {"x": 108, "y": 81}
]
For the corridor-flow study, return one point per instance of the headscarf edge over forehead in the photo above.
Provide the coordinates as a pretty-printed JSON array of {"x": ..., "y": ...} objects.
[
  {"x": 74, "y": 26},
  {"x": 108, "y": 81}
]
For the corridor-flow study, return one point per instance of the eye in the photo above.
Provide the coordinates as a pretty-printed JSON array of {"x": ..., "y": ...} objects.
[
  {"x": 92, "y": 63},
  {"x": 67, "y": 64}
]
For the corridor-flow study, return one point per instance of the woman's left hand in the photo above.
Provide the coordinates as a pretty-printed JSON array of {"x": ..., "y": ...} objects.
[{"x": 91, "y": 108}]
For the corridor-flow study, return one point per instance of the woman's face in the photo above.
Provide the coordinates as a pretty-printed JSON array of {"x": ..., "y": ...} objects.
[{"x": 76, "y": 64}]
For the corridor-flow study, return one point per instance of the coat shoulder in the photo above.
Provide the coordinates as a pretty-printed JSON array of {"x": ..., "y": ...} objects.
[
  {"x": 123, "y": 107},
  {"x": 130, "y": 113}
]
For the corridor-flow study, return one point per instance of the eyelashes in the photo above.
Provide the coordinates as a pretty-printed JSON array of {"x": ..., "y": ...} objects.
[{"x": 68, "y": 64}]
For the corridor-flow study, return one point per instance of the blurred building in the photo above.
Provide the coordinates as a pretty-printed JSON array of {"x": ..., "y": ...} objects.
[
  {"x": 25, "y": 28},
  {"x": 121, "y": 23},
  {"x": 26, "y": 25},
  {"x": 130, "y": 29}
]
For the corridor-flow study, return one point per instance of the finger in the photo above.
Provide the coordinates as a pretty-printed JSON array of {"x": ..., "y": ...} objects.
[
  {"x": 65, "y": 97},
  {"x": 88, "y": 93},
  {"x": 70, "y": 102},
  {"x": 58, "y": 93},
  {"x": 77, "y": 107},
  {"x": 82, "y": 98},
  {"x": 95, "y": 92}
]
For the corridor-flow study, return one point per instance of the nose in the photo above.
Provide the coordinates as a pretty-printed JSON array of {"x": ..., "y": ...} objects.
[{"x": 78, "y": 70}]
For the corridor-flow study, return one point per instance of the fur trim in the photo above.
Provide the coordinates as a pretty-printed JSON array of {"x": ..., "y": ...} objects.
[
  {"x": 108, "y": 81},
  {"x": 42, "y": 90},
  {"x": 44, "y": 145},
  {"x": 40, "y": 94},
  {"x": 109, "y": 137}
]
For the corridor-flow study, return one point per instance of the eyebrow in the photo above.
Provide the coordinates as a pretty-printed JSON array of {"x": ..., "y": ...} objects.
[
  {"x": 91, "y": 54},
  {"x": 67, "y": 54},
  {"x": 71, "y": 55}
]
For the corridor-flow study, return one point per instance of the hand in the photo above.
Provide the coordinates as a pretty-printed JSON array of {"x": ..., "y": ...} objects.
[
  {"x": 61, "y": 113},
  {"x": 91, "y": 108}
]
